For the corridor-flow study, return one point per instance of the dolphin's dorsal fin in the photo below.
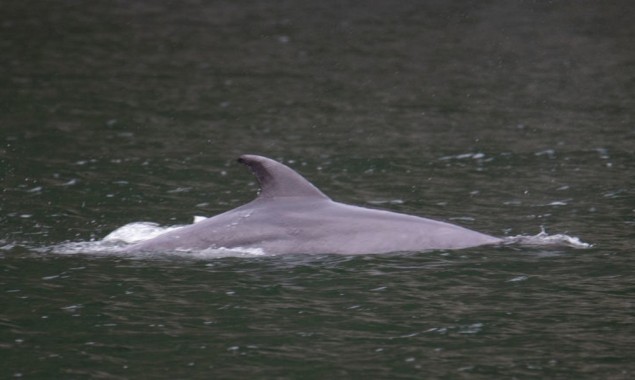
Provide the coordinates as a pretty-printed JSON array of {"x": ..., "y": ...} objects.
[{"x": 278, "y": 180}]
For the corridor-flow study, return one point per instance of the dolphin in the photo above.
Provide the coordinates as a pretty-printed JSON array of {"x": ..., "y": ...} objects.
[{"x": 291, "y": 215}]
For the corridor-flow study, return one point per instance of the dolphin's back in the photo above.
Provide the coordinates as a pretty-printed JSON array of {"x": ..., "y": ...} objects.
[
  {"x": 332, "y": 227},
  {"x": 291, "y": 215}
]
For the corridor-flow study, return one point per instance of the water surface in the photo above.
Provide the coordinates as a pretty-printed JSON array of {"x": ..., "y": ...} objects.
[{"x": 504, "y": 117}]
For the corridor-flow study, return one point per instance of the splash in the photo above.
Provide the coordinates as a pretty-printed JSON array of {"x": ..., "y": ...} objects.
[
  {"x": 543, "y": 239},
  {"x": 136, "y": 232}
]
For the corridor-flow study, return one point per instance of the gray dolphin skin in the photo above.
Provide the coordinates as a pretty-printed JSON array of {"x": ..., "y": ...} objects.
[{"x": 290, "y": 215}]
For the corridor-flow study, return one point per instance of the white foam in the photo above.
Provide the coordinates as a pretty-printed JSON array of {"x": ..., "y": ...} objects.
[
  {"x": 111, "y": 248},
  {"x": 138, "y": 231},
  {"x": 115, "y": 241},
  {"x": 543, "y": 239},
  {"x": 199, "y": 219},
  {"x": 131, "y": 233},
  {"x": 226, "y": 252}
]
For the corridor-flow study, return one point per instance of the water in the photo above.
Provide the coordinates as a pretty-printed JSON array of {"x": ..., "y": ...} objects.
[{"x": 505, "y": 117}]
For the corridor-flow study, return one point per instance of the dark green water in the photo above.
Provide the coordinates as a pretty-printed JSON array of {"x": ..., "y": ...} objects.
[{"x": 504, "y": 117}]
